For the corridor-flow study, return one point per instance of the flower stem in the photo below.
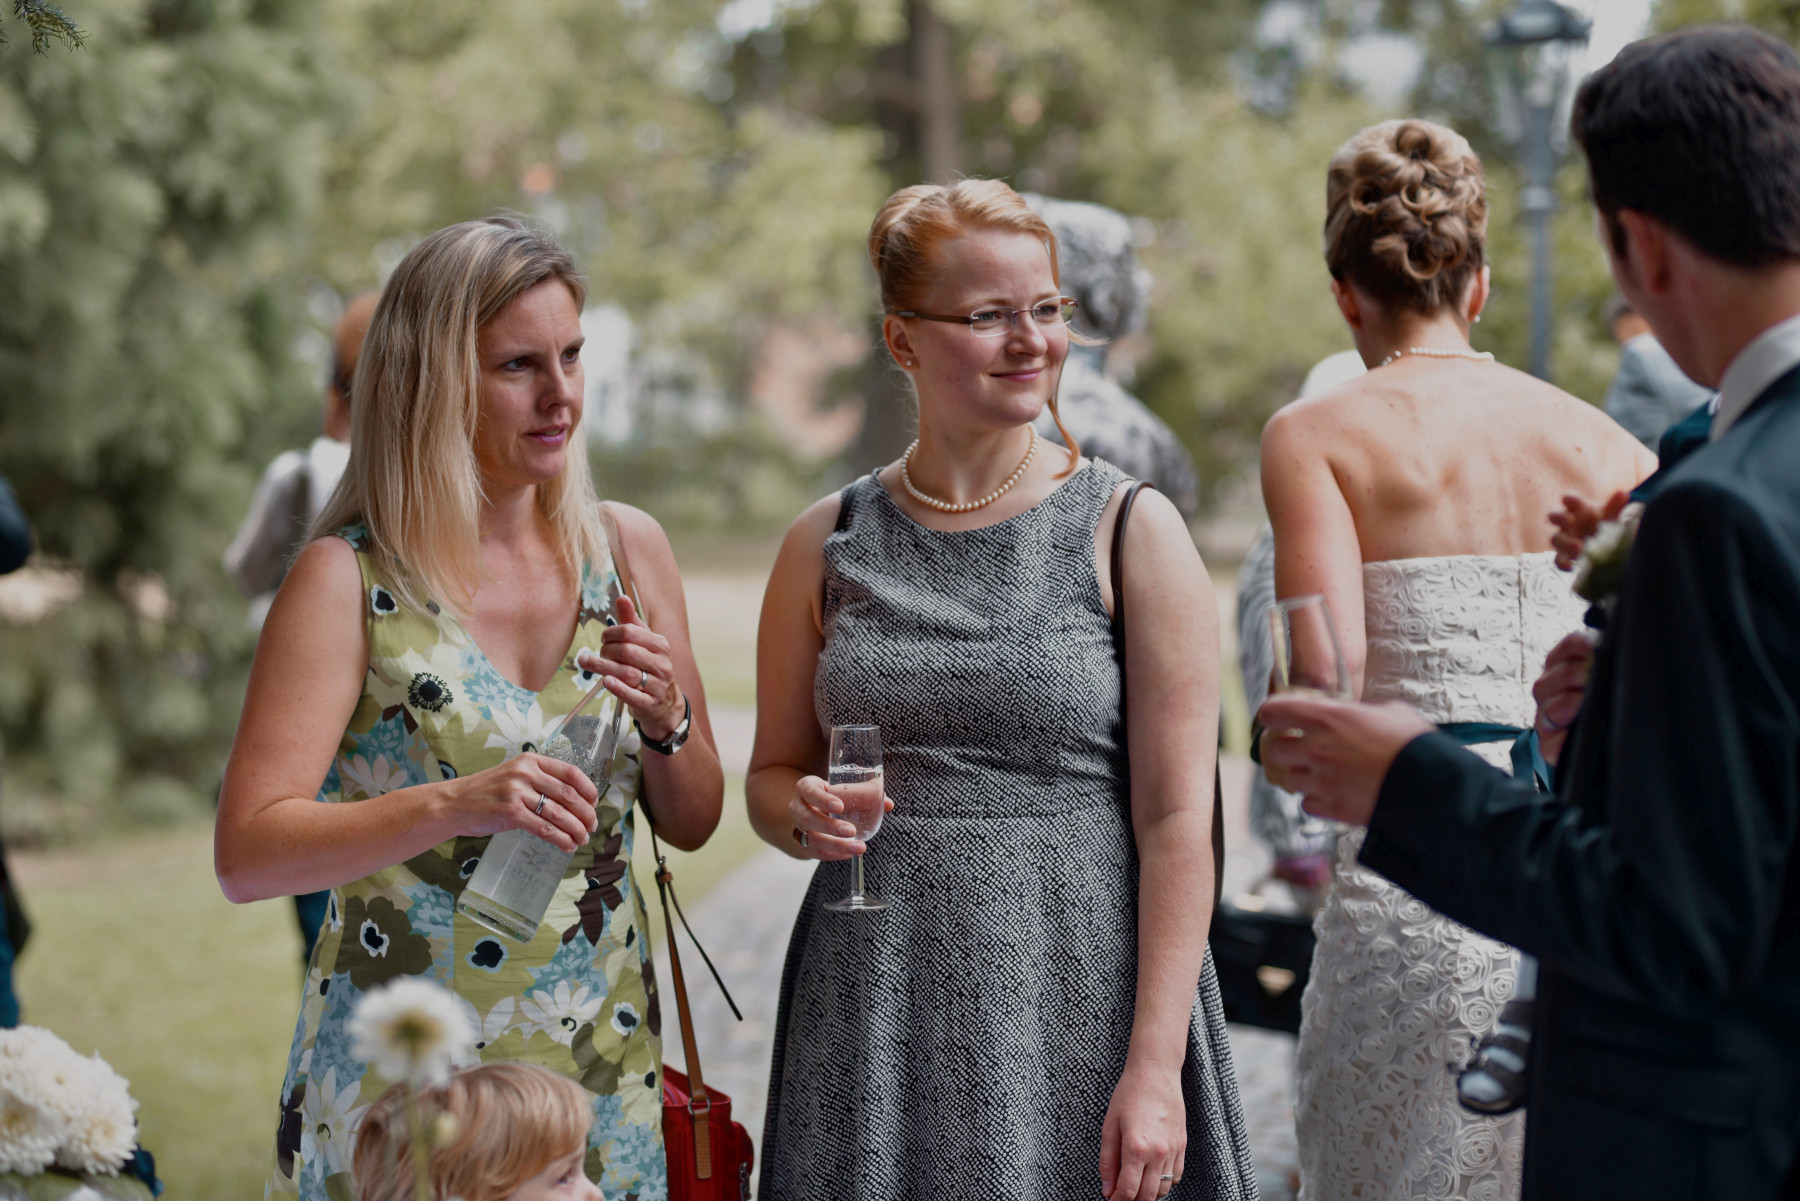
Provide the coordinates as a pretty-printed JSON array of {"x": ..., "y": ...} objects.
[{"x": 420, "y": 1153}]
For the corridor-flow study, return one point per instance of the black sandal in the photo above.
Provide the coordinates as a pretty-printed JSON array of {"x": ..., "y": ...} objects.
[{"x": 1493, "y": 1061}]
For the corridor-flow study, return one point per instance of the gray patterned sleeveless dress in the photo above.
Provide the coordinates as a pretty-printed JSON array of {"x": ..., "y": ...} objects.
[{"x": 966, "y": 1041}]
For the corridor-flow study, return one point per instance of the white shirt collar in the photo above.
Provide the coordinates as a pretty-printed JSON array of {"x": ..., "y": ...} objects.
[{"x": 1769, "y": 356}]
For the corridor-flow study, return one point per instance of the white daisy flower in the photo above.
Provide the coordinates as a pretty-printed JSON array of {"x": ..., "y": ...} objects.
[
  {"x": 330, "y": 1115},
  {"x": 371, "y": 779},
  {"x": 560, "y": 1013},
  {"x": 411, "y": 1030},
  {"x": 513, "y": 730},
  {"x": 487, "y": 1029}
]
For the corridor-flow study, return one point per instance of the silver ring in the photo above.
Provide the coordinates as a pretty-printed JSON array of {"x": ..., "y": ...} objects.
[
  {"x": 643, "y": 678},
  {"x": 1168, "y": 1176},
  {"x": 800, "y": 836},
  {"x": 542, "y": 801},
  {"x": 1553, "y": 727}
]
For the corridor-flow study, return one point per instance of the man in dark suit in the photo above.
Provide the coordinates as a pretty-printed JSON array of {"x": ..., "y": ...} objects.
[{"x": 1660, "y": 887}]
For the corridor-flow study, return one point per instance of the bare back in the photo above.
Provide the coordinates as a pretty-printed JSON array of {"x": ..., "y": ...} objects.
[
  {"x": 1425, "y": 458},
  {"x": 1467, "y": 458}
]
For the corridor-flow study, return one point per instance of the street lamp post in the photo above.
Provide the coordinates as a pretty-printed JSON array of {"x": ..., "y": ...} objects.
[{"x": 1534, "y": 51}]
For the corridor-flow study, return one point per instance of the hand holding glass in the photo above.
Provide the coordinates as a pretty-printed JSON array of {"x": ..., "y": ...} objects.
[{"x": 855, "y": 778}]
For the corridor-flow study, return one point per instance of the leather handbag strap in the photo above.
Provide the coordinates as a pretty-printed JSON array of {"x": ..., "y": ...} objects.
[
  {"x": 1118, "y": 626},
  {"x": 615, "y": 543},
  {"x": 699, "y": 1100}
]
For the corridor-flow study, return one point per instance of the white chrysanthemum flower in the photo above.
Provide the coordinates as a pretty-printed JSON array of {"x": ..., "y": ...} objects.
[
  {"x": 104, "y": 1134},
  {"x": 411, "y": 1030},
  {"x": 36, "y": 1105},
  {"x": 1600, "y": 569}
]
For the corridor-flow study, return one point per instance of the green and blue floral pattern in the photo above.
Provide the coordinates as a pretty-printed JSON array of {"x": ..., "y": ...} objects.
[{"x": 579, "y": 998}]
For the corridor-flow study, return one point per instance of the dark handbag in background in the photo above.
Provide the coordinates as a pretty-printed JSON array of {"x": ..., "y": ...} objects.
[{"x": 1263, "y": 959}]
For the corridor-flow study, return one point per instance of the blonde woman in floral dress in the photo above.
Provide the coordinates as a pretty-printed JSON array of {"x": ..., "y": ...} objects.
[{"x": 450, "y": 610}]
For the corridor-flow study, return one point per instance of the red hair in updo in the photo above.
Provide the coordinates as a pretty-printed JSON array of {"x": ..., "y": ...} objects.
[{"x": 916, "y": 221}]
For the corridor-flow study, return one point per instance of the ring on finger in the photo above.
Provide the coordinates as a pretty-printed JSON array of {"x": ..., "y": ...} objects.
[
  {"x": 800, "y": 836},
  {"x": 542, "y": 801},
  {"x": 643, "y": 678},
  {"x": 1552, "y": 726}
]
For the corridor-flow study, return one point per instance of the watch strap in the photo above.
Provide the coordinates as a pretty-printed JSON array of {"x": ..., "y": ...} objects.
[{"x": 677, "y": 739}]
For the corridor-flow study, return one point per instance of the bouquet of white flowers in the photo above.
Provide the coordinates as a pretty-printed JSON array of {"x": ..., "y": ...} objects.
[{"x": 64, "y": 1115}]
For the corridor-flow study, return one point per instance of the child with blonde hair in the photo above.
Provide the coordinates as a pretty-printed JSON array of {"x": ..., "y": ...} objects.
[{"x": 520, "y": 1134}]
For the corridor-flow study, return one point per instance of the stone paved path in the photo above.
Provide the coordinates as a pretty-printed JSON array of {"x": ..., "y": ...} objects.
[{"x": 744, "y": 921}]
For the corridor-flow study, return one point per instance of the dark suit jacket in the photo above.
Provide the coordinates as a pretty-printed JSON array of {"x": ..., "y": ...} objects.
[{"x": 1660, "y": 888}]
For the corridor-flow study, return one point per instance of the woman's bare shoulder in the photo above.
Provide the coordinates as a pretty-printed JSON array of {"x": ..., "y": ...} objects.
[
  {"x": 321, "y": 598},
  {"x": 815, "y": 524}
]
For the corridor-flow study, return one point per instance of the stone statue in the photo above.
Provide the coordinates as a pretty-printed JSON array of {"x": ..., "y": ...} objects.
[{"x": 1100, "y": 269}]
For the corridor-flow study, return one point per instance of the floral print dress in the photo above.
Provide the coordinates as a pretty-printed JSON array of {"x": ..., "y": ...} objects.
[{"x": 579, "y": 998}]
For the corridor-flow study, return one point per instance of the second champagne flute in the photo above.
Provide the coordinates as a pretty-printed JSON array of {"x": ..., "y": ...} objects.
[
  {"x": 1308, "y": 656},
  {"x": 856, "y": 779}
]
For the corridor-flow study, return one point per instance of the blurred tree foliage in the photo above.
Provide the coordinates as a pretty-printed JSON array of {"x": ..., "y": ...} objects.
[
  {"x": 183, "y": 201},
  {"x": 1129, "y": 103},
  {"x": 705, "y": 221},
  {"x": 153, "y": 188}
]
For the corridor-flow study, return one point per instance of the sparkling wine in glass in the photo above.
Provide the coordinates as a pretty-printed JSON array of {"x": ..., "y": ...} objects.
[
  {"x": 855, "y": 779},
  {"x": 1308, "y": 656}
]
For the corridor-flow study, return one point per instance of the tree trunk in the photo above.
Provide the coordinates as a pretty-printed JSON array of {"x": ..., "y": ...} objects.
[{"x": 940, "y": 116}]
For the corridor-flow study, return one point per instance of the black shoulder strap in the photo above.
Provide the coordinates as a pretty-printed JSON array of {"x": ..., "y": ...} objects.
[
  {"x": 847, "y": 498},
  {"x": 1118, "y": 626}
]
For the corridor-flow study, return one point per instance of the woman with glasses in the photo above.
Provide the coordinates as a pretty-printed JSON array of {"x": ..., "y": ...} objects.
[{"x": 1035, "y": 1014}]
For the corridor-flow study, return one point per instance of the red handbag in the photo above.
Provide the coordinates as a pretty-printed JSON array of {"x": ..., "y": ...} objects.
[{"x": 710, "y": 1156}]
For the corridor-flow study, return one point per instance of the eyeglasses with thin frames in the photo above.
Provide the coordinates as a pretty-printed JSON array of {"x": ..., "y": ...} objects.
[{"x": 991, "y": 323}]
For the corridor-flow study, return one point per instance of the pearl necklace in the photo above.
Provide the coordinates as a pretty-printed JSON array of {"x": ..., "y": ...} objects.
[
  {"x": 1437, "y": 353},
  {"x": 944, "y": 506}
]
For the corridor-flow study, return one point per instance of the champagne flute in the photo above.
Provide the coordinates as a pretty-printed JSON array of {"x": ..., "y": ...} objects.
[
  {"x": 1308, "y": 656},
  {"x": 855, "y": 779}
]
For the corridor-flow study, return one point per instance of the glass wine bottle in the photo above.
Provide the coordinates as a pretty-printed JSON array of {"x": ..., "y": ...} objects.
[{"x": 519, "y": 872}]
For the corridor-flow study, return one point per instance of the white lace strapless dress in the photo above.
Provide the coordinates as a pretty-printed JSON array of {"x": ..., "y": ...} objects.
[{"x": 1398, "y": 991}]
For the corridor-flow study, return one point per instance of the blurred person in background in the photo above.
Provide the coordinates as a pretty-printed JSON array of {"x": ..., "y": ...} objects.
[
  {"x": 449, "y": 610},
  {"x": 1649, "y": 393},
  {"x": 1412, "y": 498},
  {"x": 288, "y": 500},
  {"x": 297, "y": 483},
  {"x": 1096, "y": 250},
  {"x": 1037, "y": 1011},
  {"x": 1301, "y": 846},
  {"x": 15, "y": 549}
]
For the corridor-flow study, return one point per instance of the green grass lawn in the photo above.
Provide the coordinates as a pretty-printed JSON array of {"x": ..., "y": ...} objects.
[{"x": 137, "y": 955}]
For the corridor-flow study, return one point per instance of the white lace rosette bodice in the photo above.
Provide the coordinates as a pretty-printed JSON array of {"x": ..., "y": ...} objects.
[{"x": 1398, "y": 991}]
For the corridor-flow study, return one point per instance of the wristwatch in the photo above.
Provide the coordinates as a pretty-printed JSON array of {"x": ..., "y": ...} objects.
[{"x": 677, "y": 739}]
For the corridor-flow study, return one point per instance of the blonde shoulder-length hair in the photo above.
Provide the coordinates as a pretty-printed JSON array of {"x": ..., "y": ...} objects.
[{"x": 412, "y": 480}]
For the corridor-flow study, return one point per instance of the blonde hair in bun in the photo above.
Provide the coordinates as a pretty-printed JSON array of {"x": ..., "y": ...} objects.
[
  {"x": 1406, "y": 214},
  {"x": 916, "y": 221}
]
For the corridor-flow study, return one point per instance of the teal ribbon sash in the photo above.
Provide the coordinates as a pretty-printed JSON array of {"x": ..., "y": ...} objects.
[{"x": 1527, "y": 756}]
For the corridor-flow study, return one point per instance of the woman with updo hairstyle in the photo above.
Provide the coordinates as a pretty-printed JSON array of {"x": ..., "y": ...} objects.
[
  {"x": 461, "y": 592},
  {"x": 1036, "y": 1014},
  {"x": 1415, "y": 499}
]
